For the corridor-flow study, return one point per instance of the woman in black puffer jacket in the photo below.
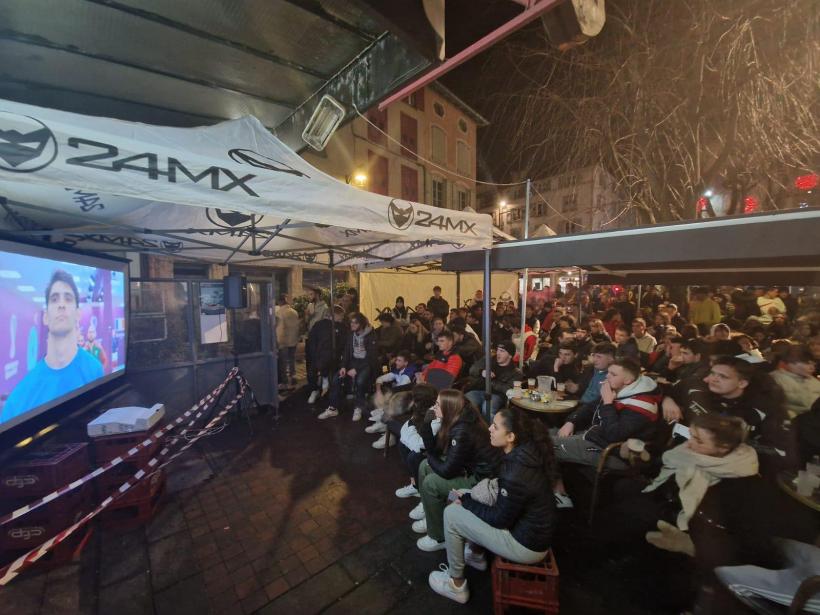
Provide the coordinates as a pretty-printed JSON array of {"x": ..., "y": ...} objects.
[{"x": 520, "y": 524}]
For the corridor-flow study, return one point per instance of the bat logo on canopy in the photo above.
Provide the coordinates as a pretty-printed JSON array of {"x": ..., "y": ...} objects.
[
  {"x": 26, "y": 144},
  {"x": 400, "y": 218}
]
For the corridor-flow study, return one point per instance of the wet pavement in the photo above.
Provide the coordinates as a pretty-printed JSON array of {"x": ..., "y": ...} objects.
[{"x": 297, "y": 517}]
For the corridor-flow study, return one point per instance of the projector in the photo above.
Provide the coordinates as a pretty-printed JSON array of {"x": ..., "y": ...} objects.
[{"x": 126, "y": 420}]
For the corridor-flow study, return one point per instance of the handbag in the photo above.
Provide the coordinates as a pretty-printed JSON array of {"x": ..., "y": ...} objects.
[{"x": 485, "y": 491}]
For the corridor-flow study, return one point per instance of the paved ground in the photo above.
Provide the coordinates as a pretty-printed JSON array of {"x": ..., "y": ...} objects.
[{"x": 299, "y": 518}]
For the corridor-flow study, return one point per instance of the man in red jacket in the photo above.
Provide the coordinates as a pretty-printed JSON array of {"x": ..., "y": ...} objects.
[{"x": 445, "y": 359}]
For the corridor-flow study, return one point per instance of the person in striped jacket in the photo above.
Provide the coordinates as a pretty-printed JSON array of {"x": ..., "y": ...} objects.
[{"x": 629, "y": 408}]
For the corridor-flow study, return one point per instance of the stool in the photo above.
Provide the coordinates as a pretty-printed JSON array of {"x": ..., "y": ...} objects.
[{"x": 534, "y": 587}]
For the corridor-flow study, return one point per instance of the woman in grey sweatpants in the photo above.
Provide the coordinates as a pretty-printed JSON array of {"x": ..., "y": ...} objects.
[{"x": 519, "y": 524}]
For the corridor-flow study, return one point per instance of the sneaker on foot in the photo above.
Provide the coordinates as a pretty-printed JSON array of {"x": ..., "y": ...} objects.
[
  {"x": 420, "y": 526},
  {"x": 329, "y": 413},
  {"x": 562, "y": 500},
  {"x": 418, "y": 512},
  {"x": 357, "y": 414},
  {"x": 442, "y": 583},
  {"x": 376, "y": 415},
  {"x": 425, "y": 543},
  {"x": 408, "y": 491},
  {"x": 313, "y": 397},
  {"x": 473, "y": 559},
  {"x": 377, "y": 427},
  {"x": 382, "y": 441}
]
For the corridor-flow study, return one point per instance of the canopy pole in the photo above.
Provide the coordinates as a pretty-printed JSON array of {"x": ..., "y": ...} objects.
[
  {"x": 526, "y": 277},
  {"x": 578, "y": 293},
  {"x": 332, "y": 315},
  {"x": 486, "y": 333},
  {"x": 458, "y": 289}
]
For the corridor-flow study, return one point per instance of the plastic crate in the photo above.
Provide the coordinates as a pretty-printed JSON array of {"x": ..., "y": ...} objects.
[
  {"x": 40, "y": 472},
  {"x": 532, "y": 586},
  {"x": 64, "y": 553},
  {"x": 138, "y": 508},
  {"x": 107, "y": 448},
  {"x": 35, "y": 527}
]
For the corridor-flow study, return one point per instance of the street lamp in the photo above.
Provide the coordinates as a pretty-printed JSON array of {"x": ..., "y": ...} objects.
[{"x": 358, "y": 179}]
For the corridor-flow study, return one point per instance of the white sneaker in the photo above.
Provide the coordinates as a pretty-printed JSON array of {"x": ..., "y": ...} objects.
[
  {"x": 441, "y": 583},
  {"x": 357, "y": 414},
  {"x": 425, "y": 543},
  {"x": 329, "y": 413},
  {"x": 380, "y": 443},
  {"x": 408, "y": 491},
  {"x": 473, "y": 559},
  {"x": 418, "y": 512},
  {"x": 377, "y": 427},
  {"x": 376, "y": 415},
  {"x": 313, "y": 397},
  {"x": 420, "y": 526},
  {"x": 562, "y": 500}
]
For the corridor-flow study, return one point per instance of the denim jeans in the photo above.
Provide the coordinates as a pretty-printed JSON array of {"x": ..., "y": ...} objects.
[
  {"x": 496, "y": 403},
  {"x": 361, "y": 385},
  {"x": 287, "y": 359}
]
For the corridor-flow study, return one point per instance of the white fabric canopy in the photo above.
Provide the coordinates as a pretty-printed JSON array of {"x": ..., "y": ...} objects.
[{"x": 231, "y": 191}]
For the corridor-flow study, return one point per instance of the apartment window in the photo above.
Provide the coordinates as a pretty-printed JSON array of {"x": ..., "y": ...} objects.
[
  {"x": 379, "y": 173},
  {"x": 463, "y": 158},
  {"x": 463, "y": 199},
  {"x": 568, "y": 202},
  {"x": 438, "y": 145},
  {"x": 409, "y": 183},
  {"x": 379, "y": 119},
  {"x": 462, "y": 125},
  {"x": 438, "y": 109},
  {"x": 415, "y": 100},
  {"x": 409, "y": 136},
  {"x": 439, "y": 193}
]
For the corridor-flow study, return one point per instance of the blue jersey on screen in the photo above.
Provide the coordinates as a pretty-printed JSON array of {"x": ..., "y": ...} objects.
[{"x": 43, "y": 384}]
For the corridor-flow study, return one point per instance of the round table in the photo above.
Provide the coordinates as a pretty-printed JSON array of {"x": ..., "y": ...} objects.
[
  {"x": 785, "y": 480},
  {"x": 556, "y": 407}
]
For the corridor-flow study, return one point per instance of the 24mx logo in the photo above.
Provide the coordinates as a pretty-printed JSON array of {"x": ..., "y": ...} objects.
[
  {"x": 149, "y": 163},
  {"x": 403, "y": 218},
  {"x": 444, "y": 223}
]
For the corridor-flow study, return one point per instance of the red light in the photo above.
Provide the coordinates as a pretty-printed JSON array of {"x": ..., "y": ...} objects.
[
  {"x": 750, "y": 205},
  {"x": 703, "y": 203},
  {"x": 807, "y": 182}
]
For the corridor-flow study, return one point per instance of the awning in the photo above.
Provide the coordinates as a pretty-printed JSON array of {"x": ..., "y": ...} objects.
[
  {"x": 229, "y": 192},
  {"x": 776, "y": 247}
]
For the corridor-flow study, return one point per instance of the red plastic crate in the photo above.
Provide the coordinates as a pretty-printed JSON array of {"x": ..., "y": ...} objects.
[
  {"x": 64, "y": 553},
  {"x": 107, "y": 448},
  {"x": 37, "y": 526},
  {"x": 532, "y": 586},
  {"x": 143, "y": 490},
  {"x": 40, "y": 472},
  {"x": 136, "y": 509}
]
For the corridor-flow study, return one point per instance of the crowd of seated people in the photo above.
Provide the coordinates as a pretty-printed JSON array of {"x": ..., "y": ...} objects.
[{"x": 726, "y": 389}]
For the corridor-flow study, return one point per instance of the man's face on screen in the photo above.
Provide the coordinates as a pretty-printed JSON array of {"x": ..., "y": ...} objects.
[{"x": 62, "y": 310}]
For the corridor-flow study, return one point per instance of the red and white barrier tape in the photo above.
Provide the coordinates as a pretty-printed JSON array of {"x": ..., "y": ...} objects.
[
  {"x": 202, "y": 405},
  {"x": 8, "y": 573}
]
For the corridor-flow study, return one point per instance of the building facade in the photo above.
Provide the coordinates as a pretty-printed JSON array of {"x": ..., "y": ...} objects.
[
  {"x": 580, "y": 200},
  {"x": 421, "y": 149}
]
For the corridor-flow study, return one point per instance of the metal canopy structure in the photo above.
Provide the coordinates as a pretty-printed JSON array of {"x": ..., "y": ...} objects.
[
  {"x": 199, "y": 62},
  {"x": 767, "y": 248}
]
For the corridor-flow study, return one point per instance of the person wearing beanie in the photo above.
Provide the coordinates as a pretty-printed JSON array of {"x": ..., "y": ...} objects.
[{"x": 503, "y": 372}]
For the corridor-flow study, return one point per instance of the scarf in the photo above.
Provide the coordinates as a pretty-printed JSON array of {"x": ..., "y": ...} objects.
[
  {"x": 695, "y": 473},
  {"x": 359, "y": 350}
]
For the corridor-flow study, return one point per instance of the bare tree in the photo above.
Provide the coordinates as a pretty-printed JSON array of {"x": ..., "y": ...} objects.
[{"x": 672, "y": 97}]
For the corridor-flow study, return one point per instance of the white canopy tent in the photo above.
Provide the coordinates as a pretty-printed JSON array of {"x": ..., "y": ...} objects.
[{"x": 229, "y": 192}]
